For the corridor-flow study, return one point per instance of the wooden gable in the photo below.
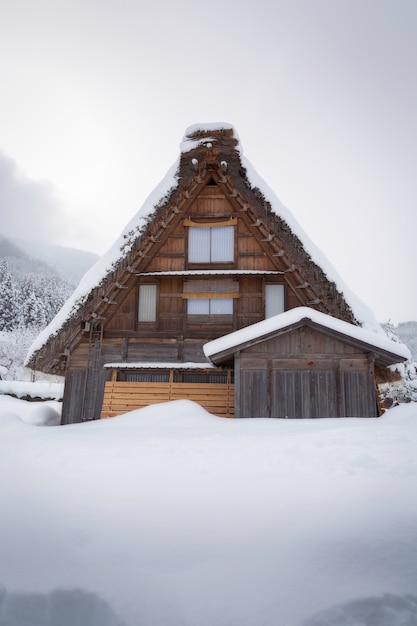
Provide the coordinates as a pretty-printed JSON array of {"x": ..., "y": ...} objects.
[{"x": 259, "y": 258}]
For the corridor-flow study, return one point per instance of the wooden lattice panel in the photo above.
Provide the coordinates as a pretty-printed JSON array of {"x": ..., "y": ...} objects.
[{"x": 120, "y": 397}]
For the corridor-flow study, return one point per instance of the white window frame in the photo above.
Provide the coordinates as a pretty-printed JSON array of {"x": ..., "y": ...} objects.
[{"x": 211, "y": 244}]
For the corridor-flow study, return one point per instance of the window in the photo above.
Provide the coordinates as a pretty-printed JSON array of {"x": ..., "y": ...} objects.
[
  {"x": 211, "y": 244},
  {"x": 147, "y": 303},
  {"x": 274, "y": 300},
  {"x": 210, "y": 306},
  {"x": 210, "y": 297}
]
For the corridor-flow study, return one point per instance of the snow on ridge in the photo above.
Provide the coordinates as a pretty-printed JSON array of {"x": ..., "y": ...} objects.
[
  {"x": 259, "y": 329},
  {"x": 187, "y": 144}
]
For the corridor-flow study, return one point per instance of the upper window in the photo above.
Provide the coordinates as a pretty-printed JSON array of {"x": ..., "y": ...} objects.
[{"x": 211, "y": 244}]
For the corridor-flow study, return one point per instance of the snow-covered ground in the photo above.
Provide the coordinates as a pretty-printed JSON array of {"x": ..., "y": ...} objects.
[{"x": 170, "y": 516}]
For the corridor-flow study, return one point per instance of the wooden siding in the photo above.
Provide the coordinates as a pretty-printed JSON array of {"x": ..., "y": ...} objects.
[
  {"x": 76, "y": 400},
  {"x": 304, "y": 374},
  {"x": 175, "y": 335},
  {"x": 120, "y": 397},
  {"x": 307, "y": 392}
]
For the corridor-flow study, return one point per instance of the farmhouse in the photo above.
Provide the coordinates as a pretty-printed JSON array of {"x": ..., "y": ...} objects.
[{"x": 214, "y": 293}]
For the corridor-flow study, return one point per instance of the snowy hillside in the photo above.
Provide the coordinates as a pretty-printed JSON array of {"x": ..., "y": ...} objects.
[
  {"x": 407, "y": 332},
  {"x": 35, "y": 281},
  {"x": 71, "y": 263},
  {"x": 170, "y": 516},
  {"x": 30, "y": 257}
]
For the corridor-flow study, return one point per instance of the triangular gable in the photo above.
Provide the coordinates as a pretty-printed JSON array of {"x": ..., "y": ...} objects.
[{"x": 211, "y": 158}]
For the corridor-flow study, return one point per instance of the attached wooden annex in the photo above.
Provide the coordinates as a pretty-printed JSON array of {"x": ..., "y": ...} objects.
[
  {"x": 210, "y": 253},
  {"x": 304, "y": 364}
]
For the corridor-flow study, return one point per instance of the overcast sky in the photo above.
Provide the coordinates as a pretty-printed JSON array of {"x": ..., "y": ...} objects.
[{"x": 95, "y": 96}]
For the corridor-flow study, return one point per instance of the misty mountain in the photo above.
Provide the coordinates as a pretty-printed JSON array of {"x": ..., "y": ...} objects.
[
  {"x": 21, "y": 265},
  {"x": 30, "y": 257},
  {"x": 35, "y": 281},
  {"x": 70, "y": 263}
]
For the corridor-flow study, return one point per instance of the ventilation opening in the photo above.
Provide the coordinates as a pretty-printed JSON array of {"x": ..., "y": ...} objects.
[{"x": 211, "y": 183}]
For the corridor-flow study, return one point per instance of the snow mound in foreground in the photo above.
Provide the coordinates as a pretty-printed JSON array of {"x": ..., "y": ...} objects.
[
  {"x": 34, "y": 413},
  {"x": 173, "y": 516}
]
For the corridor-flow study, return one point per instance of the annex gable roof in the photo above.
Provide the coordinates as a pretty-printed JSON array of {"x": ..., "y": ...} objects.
[
  {"x": 209, "y": 153},
  {"x": 387, "y": 352}
]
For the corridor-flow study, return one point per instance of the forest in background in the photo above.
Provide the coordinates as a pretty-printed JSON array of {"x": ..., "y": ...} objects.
[{"x": 35, "y": 281}]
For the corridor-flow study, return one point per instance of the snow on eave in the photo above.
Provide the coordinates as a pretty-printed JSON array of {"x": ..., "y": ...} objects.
[
  {"x": 189, "y": 365},
  {"x": 293, "y": 316},
  {"x": 107, "y": 263},
  {"x": 23, "y": 389},
  {"x": 360, "y": 310}
]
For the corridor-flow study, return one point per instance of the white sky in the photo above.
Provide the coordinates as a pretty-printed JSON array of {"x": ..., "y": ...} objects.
[{"x": 95, "y": 96}]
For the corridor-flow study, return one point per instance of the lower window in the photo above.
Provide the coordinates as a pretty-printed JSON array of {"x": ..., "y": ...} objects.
[{"x": 210, "y": 306}]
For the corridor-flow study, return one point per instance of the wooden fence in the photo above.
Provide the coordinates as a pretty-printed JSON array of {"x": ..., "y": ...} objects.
[{"x": 120, "y": 397}]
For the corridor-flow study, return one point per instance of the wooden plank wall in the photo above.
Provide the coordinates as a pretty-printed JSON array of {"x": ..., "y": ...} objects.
[
  {"x": 304, "y": 374},
  {"x": 120, "y": 397},
  {"x": 75, "y": 399}
]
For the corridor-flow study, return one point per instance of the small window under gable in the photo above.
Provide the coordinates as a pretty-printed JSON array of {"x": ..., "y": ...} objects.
[
  {"x": 210, "y": 243},
  {"x": 147, "y": 303},
  {"x": 274, "y": 300}
]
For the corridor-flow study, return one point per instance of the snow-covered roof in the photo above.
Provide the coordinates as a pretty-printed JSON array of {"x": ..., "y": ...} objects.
[
  {"x": 199, "y": 134},
  {"x": 23, "y": 389},
  {"x": 293, "y": 316},
  {"x": 206, "y": 136}
]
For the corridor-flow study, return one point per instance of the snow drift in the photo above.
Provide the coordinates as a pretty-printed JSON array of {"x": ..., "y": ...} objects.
[{"x": 170, "y": 515}]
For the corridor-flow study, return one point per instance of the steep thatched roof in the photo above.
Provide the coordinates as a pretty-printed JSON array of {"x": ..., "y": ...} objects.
[{"x": 207, "y": 151}]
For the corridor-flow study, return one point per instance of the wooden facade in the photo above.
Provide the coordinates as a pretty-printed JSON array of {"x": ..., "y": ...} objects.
[
  {"x": 304, "y": 371},
  {"x": 212, "y": 258}
]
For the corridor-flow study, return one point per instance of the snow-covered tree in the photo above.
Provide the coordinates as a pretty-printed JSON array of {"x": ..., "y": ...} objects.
[
  {"x": 404, "y": 390},
  {"x": 8, "y": 301},
  {"x": 27, "y": 305},
  {"x": 14, "y": 346}
]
